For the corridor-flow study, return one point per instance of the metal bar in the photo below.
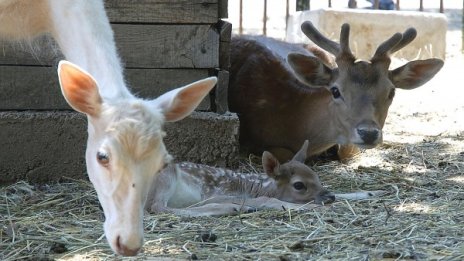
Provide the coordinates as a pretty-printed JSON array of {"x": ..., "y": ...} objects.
[
  {"x": 442, "y": 8},
  {"x": 421, "y": 5},
  {"x": 330, "y": 3}
]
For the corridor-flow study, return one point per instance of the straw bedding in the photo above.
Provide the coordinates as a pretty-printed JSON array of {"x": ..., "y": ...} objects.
[
  {"x": 420, "y": 164},
  {"x": 421, "y": 217}
]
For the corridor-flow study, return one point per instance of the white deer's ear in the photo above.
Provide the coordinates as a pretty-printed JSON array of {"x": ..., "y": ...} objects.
[
  {"x": 79, "y": 89},
  {"x": 179, "y": 103},
  {"x": 301, "y": 155},
  {"x": 309, "y": 70},
  {"x": 270, "y": 164},
  {"x": 415, "y": 73}
]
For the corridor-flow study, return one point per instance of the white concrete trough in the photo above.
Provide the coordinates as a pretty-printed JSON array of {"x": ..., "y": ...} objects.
[{"x": 369, "y": 28}]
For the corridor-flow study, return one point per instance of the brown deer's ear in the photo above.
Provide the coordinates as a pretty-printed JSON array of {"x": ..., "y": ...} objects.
[
  {"x": 270, "y": 164},
  {"x": 309, "y": 70},
  {"x": 415, "y": 73}
]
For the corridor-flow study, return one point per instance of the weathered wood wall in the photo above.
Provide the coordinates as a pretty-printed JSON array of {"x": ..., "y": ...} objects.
[{"x": 163, "y": 45}]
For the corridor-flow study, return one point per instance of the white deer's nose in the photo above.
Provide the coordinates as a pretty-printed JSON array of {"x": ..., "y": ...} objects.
[{"x": 124, "y": 250}]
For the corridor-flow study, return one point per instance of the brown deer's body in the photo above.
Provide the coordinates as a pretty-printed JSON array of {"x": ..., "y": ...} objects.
[{"x": 284, "y": 94}]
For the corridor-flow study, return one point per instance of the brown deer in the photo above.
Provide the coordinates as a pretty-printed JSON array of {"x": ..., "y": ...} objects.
[
  {"x": 188, "y": 189},
  {"x": 284, "y": 94}
]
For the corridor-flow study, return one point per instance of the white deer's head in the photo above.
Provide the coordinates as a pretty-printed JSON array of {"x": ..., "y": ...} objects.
[{"x": 125, "y": 148}]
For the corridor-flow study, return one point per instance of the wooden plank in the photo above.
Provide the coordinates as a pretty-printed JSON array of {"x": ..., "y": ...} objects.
[
  {"x": 37, "y": 88},
  {"x": 162, "y": 11},
  {"x": 223, "y": 9},
  {"x": 140, "y": 46},
  {"x": 225, "y": 34},
  {"x": 220, "y": 103},
  {"x": 163, "y": 46}
]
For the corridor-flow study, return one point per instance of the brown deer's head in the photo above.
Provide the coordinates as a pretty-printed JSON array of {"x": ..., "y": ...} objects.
[{"x": 362, "y": 91}]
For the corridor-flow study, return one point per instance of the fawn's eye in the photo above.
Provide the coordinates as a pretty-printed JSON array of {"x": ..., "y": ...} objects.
[
  {"x": 299, "y": 185},
  {"x": 391, "y": 94},
  {"x": 103, "y": 158},
  {"x": 335, "y": 92}
]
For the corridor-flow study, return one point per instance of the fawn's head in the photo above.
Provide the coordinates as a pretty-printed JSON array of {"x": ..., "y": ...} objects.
[{"x": 296, "y": 182}]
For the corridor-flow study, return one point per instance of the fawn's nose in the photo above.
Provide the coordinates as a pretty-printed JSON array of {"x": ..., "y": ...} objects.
[
  {"x": 124, "y": 250},
  {"x": 325, "y": 197}
]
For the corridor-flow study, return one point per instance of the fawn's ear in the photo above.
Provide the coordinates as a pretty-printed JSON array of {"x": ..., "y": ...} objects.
[
  {"x": 270, "y": 164},
  {"x": 301, "y": 155},
  {"x": 79, "y": 89},
  {"x": 179, "y": 103}
]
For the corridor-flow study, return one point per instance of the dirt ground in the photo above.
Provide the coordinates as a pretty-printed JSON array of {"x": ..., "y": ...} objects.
[{"x": 420, "y": 164}]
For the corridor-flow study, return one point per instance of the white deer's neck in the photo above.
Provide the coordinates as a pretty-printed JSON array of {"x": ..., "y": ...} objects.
[{"x": 89, "y": 43}]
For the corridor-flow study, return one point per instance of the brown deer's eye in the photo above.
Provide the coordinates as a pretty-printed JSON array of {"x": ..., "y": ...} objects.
[
  {"x": 103, "y": 158},
  {"x": 299, "y": 185},
  {"x": 391, "y": 94},
  {"x": 335, "y": 92}
]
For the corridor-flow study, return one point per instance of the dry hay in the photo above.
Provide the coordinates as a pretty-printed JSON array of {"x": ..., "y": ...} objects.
[{"x": 421, "y": 217}]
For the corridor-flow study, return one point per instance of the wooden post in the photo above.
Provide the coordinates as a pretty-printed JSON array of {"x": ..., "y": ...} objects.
[
  {"x": 240, "y": 19},
  {"x": 421, "y": 5},
  {"x": 287, "y": 14},
  {"x": 302, "y": 5},
  {"x": 330, "y": 3},
  {"x": 398, "y": 5},
  {"x": 442, "y": 8},
  {"x": 352, "y": 4},
  {"x": 265, "y": 18},
  {"x": 376, "y": 4}
]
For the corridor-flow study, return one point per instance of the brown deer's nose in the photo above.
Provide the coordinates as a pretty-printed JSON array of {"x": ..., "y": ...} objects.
[
  {"x": 369, "y": 133},
  {"x": 124, "y": 250}
]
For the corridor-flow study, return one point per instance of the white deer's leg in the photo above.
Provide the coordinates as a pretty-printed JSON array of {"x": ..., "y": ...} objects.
[
  {"x": 361, "y": 195},
  {"x": 83, "y": 32}
]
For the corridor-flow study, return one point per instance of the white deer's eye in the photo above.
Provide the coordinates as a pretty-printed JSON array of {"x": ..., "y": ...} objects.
[{"x": 103, "y": 158}]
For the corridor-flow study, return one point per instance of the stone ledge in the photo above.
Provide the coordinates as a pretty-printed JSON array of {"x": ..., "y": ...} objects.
[
  {"x": 50, "y": 145},
  {"x": 369, "y": 28}
]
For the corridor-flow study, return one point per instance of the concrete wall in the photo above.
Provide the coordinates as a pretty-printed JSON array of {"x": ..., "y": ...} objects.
[
  {"x": 45, "y": 146},
  {"x": 369, "y": 28}
]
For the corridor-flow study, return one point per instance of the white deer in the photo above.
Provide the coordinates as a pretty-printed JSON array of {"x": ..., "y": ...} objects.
[
  {"x": 188, "y": 189},
  {"x": 125, "y": 146}
]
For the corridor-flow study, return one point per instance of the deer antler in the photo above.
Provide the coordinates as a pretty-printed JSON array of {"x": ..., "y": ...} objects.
[
  {"x": 342, "y": 51},
  {"x": 393, "y": 44}
]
